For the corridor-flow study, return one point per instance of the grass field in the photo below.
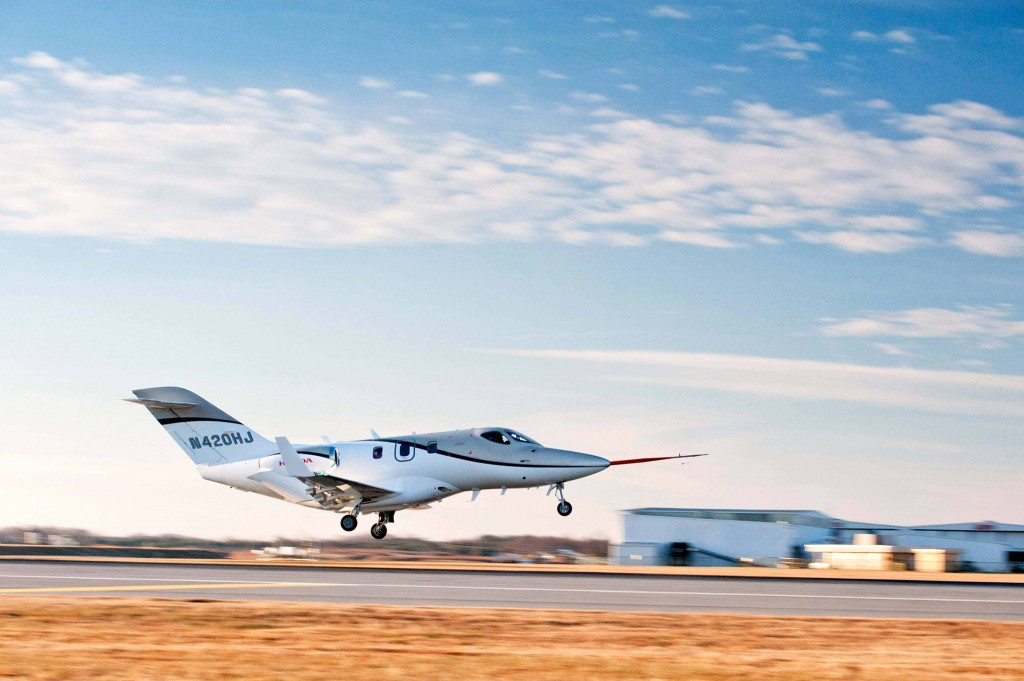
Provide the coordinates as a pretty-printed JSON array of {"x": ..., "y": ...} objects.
[{"x": 94, "y": 638}]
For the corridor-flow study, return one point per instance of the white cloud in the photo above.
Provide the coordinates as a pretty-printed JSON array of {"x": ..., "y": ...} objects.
[
  {"x": 960, "y": 114},
  {"x": 9, "y": 88},
  {"x": 155, "y": 161},
  {"x": 629, "y": 87},
  {"x": 374, "y": 83},
  {"x": 730, "y": 69},
  {"x": 40, "y": 60},
  {"x": 599, "y": 20},
  {"x": 608, "y": 112},
  {"x": 701, "y": 90},
  {"x": 863, "y": 242},
  {"x": 830, "y": 92},
  {"x": 878, "y": 104},
  {"x": 899, "y": 36},
  {"x": 553, "y": 75},
  {"x": 485, "y": 78},
  {"x": 667, "y": 12},
  {"x": 985, "y": 326},
  {"x": 707, "y": 239},
  {"x": 1003, "y": 244},
  {"x": 895, "y": 36},
  {"x": 890, "y": 349},
  {"x": 783, "y": 45},
  {"x": 896, "y": 223},
  {"x": 411, "y": 94},
  {"x": 954, "y": 392},
  {"x": 588, "y": 97},
  {"x": 298, "y": 96}
]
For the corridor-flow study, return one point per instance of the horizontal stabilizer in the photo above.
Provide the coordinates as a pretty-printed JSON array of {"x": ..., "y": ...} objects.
[{"x": 160, "y": 404}]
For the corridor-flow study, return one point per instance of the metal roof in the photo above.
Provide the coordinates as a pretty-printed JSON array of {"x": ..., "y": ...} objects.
[
  {"x": 981, "y": 526},
  {"x": 812, "y": 518}
]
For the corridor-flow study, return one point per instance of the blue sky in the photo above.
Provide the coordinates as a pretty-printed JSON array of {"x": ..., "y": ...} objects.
[{"x": 788, "y": 234}]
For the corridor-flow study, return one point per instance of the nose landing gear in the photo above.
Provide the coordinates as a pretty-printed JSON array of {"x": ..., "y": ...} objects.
[
  {"x": 564, "y": 507},
  {"x": 348, "y": 523},
  {"x": 380, "y": 528}
]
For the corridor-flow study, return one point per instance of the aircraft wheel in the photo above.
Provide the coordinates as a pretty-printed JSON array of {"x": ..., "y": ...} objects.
[
  {"x": 564, "y": 508},
  {"x": 379, "y": 531},
  {"x": 348, "y": 523}
]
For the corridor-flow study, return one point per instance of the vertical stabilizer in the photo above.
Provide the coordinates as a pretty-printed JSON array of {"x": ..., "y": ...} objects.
[{"x": 204, "y": 432}]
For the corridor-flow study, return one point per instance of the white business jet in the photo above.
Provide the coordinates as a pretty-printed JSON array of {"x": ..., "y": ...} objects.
[{"x": 379, "y": 475}]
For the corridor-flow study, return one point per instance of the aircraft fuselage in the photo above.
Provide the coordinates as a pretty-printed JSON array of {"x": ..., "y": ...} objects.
[{"x": 419, "y": 468}]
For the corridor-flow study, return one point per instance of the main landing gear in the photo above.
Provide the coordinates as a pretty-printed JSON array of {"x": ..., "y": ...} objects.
[
  {"x": 564, "y": 507},
  {"x": 380, "y": 528}
]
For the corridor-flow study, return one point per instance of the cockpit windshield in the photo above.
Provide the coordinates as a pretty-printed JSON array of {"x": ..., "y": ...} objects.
[
  {"x": 507, "y": 437},
  {"x": 519, "y": 437},
  {"x": 496, "y": 436}
]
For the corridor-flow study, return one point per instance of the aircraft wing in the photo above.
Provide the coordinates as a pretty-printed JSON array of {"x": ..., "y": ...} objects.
[
  {"x": 334, "y": 494},
  {"x": 330, "y": 491}
]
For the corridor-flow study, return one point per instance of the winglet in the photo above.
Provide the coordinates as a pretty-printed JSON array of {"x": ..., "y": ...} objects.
[
  {"x": 374, "y": 434},
  {"x": 293, "y": 463}
]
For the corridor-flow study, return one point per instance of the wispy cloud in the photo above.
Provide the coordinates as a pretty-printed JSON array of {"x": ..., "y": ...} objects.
[
  {"x": 783, "y": 45},
  {"x": 986, "y": 327},
  {"x": 137, "y": 159},
  {"x": 553, "y": 75},
  {"x": 701, "y": 90},
  {"x": 878, "y": 104},
  {"x": 588, "y": 97},
  {"x": 667, "y": 12},
  {"x": 897, "y": 36},
  {"x": 864, "y": 242},
  {"x": 374, "y": 83},
  {"x": 485, "y": 78},
  {"x": 1003, "y": 244},
  {"x": 957, "y": 392}
]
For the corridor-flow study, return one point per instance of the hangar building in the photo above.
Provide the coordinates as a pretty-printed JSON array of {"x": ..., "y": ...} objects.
[{"x": 694, "y": 536}]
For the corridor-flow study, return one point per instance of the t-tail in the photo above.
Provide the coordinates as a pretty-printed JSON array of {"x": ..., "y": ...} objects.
[{"x": 205, "y": 433}]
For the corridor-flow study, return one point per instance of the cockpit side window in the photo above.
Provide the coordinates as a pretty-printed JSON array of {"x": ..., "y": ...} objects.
[
  {"x": 519, "y": 437},
  {"x": 496, "y": 436}
]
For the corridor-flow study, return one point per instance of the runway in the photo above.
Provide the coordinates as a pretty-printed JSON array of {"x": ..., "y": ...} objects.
[{"x": 520, "y": 590}]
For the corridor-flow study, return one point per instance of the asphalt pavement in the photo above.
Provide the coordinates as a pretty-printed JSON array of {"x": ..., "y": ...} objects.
[{"x": 561, "y": 591}]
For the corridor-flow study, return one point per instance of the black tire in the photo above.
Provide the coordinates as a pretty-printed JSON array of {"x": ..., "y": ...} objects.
[
  {"x": 379, "y": 531},
  {"x": 564, "y": 508},
  {"x": 349, "y": 523}
]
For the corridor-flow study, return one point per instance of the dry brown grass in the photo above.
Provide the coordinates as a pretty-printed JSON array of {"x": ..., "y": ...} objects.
[{"x": 91, "y": 638}]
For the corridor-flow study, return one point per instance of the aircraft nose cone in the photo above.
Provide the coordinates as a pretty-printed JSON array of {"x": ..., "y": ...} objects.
[
  {"x": 562, "y": 457},
  {"x": 592, "y": 461}
]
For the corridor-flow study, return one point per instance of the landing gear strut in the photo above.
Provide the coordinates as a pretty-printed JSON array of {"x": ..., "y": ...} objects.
[
  {"x": 564, "y": 507},
  {"x": 348, "y": 523},
  {"x": 380, "y": 528}
]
